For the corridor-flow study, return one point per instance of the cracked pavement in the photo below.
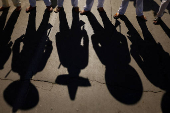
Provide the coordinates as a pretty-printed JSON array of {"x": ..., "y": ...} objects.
[{"x": 107, "y": 74}]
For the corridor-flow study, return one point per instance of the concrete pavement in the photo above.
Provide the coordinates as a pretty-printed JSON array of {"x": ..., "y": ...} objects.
[{"x": 84, "y": 65}]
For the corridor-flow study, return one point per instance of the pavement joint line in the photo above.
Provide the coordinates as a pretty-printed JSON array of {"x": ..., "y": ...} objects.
[
  {"x": 96, "y": 81},
  {"x": 43, "y": 81},
  {"x": 147, "y": 91},
  {"x": 153, "y": 91},
  {"x": 6, "y": 79}
]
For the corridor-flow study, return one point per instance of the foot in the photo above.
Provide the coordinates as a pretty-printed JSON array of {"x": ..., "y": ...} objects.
[
  {"x": 84, "y": 12},
  {"x": 18, "y": 8},
  {"x": 49, "y": 8},
  {"x": 3, "y": 8},
  {"x": 30, "y": 8},
  {"x": 100, "y": 9},
  {"x": 58, "y": 9},
  {"x": 117, "y": 15},
  {"x": 157, "y": 20},
  {"x": 142, "y": 17},
  {"x": 76, "y": 9}
]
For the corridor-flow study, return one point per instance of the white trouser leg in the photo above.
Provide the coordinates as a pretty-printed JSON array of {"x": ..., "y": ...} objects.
[
  {"x": 16, "y": 3},
  {"x": 47, "y": 2},
  {"x": 74, "y": 3},
  {"x": 162, "y": 8},
  {"x": 123, "y": 7},
  {"x": 32, "y": 3},
  {"x": 60, "y": 3},
  {"x": 139, "y": 7},
  {"x": 100, "y": 3},
  {"x": 5, "y": 3},
  {"x": 89, "y": 4}
]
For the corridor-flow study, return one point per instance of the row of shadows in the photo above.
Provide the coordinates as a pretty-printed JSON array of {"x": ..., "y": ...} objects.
[{"x": 122, "y": 81}]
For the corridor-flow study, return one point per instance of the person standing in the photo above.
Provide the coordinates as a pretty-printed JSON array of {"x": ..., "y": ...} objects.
[
  {"x": 123, "y": 7},
  {"x": 162, "y": 8},
  {"x": 89, "y": 4},
  {"x": 33, "y": 5},
  {"x": 5, "y": 5},
  {"x": 60, "y": 5}
]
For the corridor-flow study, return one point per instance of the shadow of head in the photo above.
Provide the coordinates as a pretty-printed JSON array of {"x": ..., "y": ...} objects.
[
  {"x": 124, "y": 84},
  {"x": 19, "y": 96},
  {"x": 72, "y": 82}
]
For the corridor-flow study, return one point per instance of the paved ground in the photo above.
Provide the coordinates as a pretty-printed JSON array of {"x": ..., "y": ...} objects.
[{"x": 66, "y": 63}]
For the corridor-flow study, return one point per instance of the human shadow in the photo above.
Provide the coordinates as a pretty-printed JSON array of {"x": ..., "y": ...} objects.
[
  {"x": 27, "y": 61},
  {"x": 3, "y": 19},
  {"x": 159, "y": 72},
  {"x": 150, "y": 57},
  {"x": 5, "y": 35},
  {"x": 111, "y": 47},
  {"x": 72, "y": 53}
]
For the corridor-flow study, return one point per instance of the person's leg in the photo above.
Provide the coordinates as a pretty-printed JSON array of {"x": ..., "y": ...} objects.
[
  {"x": 100, "y": 5},
  {"x": 60, "y": 6},
  {"x": 89, "y": 4},
  {"x": 5, "y": 3},
  {"x": 162, "y": 8},
  {"x": 123, "y": 7},
  {"x": 48, "y": 5},
  {"x": 139, "y": 7},
  {"x": 47, "y": 2},
  {"x": 17, "y": 3},
  {"x": 32, "y": 5},
  {"x": 60, "y": 3},
  {"x": 87, "y": 7},
  {"x": 74, "y": 3}
]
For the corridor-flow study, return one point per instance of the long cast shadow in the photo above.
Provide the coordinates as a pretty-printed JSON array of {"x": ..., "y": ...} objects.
[
  {"x": 111, "y": 47},
  {"x": 151, "y": 58},
  {"x": 165, "y": 28},
  {"x": 158, "y": 73},
  {"x": 72, "y": 54},
  {"x": 5, "y": 35},
  {"x": 149, "y": 55},
  {"x": 3, "y": 19},
  {"x": 27, "y": 62}
]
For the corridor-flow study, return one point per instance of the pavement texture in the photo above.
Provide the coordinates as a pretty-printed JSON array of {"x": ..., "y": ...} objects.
[{"x": 68, "y": 63}]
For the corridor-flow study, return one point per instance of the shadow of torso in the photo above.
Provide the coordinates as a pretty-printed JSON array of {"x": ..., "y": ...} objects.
[{"x": 72, "y": 45}]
